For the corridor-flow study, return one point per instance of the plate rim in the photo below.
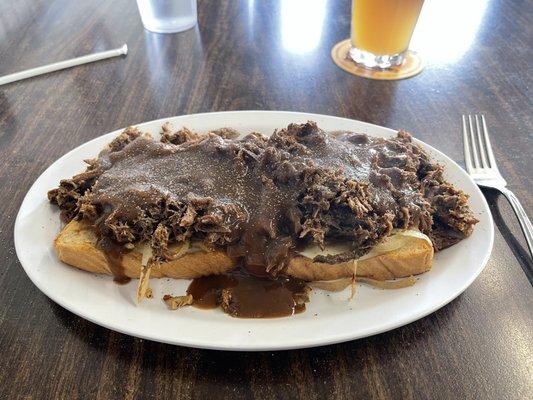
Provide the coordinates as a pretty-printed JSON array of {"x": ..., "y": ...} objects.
[{"x": 304, "y": 343}]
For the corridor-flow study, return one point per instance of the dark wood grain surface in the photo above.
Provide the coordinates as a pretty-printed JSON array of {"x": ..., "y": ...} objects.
[{"x": 267, "y": 55}]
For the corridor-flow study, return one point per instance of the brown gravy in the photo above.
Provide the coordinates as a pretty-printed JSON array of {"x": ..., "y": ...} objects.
[
  {"x": 114, "y": 253},
  {"x": 245, "y": 296}
]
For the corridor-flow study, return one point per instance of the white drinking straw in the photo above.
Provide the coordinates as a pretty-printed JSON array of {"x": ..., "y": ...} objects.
[{"x": 17, "y": 76}]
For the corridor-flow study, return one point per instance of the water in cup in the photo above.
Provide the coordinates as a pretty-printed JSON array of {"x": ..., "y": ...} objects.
[{"x": 167, "y": 16}]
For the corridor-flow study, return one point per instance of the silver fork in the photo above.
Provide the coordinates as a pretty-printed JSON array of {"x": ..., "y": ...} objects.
[{"x": 482, "y": 168}]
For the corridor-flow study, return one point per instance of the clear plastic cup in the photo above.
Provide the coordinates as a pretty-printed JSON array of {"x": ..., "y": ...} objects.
[{"x": 167, "y": 16}]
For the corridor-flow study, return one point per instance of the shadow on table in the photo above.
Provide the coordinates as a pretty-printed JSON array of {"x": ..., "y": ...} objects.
[
  {"x": 521, "y": 253},
  {"x": 287, "y": 374}
]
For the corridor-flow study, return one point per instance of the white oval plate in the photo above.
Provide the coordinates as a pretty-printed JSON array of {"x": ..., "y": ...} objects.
[{"x": 330, "y": 318}]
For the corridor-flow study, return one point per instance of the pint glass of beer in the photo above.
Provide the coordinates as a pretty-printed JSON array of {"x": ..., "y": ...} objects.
[{"x": 382, "y": 30}]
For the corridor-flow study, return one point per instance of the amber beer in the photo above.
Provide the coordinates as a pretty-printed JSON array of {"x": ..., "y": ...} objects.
[{"x": 382, "y": 30}]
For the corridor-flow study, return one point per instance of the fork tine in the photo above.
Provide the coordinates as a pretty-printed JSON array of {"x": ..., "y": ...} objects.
[
  {"x": 473, "y": 143},
  {"x": 488, "y": 146},
  {"x": 481, "y": 145},
  {"x": 466, "y": 145}
]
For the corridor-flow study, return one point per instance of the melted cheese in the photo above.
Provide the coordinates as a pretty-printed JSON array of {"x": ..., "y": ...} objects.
[{"x": 397, "y": 240}]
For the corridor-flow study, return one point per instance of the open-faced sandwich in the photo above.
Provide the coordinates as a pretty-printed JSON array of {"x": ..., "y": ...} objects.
[{"x": 257, "y": 220}]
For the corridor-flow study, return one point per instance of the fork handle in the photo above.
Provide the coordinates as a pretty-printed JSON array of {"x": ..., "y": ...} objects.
[{"x": 525, "y": 223}]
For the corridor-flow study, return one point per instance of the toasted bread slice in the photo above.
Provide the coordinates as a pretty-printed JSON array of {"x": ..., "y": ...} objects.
[
  {"x": 76, "y": 245},
  {"x": 405, "y": 254}
]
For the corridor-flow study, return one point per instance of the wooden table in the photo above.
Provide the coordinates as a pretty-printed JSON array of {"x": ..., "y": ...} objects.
[{"x": 272, "y": 56}]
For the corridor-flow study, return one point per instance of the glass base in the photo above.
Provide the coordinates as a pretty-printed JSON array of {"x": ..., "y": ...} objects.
[
  {"x": 374, "y": 61},
  {"x": 170, "y": 28}
]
